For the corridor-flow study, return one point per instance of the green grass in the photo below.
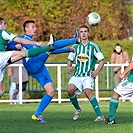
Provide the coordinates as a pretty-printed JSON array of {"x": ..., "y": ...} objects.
[{"x": 16, "y": 119}]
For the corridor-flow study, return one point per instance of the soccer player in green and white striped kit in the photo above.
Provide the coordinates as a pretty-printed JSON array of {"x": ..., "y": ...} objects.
[
  {"x": 123, "y": 89},
  {"x": 86, "y": 55}
]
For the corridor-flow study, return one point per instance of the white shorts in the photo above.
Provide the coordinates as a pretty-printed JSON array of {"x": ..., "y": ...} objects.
[
  {"x": 4, "y": 57},
  {"x": 124, "y": 88},
  {"x": 82, "y": 83}
]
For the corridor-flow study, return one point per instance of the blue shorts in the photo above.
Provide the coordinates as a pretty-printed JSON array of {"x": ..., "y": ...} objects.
[
  {"x": 35, "y": 64},
  {"x": 36, "y": 68},
  {"x": 42, "y": 77}
]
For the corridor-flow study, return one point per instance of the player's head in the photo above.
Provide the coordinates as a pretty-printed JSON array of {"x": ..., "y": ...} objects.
[
  {"x": 29, "y": 27},
  {"x": 118, "y": 48},
  {"x": 84, "y": 32},
  {"x": 3, "y": 25},
  {"x": 84, "y": 26}
]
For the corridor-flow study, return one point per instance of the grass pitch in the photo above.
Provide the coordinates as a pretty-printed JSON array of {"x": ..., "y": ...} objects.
[{"x": 17, "y": 119}]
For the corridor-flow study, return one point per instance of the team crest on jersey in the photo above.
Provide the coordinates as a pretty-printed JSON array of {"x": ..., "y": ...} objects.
[{"x": 83, "y": 57}]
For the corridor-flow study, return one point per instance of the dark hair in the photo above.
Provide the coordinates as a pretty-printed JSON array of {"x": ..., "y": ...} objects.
[
  {"x": 1, "y": 20},
  {"x": 84, "y": 26},
  {"x": 27, "y": 22},
  {"x": 117, "y": 44}
]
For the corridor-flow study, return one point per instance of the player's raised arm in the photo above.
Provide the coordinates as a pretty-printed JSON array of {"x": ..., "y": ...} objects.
[
  {"x": 25, "y": 41},
  {"x": 128, "y": 68}
]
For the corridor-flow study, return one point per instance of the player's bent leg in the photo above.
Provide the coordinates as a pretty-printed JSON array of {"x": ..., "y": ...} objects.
[
  {"x": 42, "y": 106},
  {"x": 71, "y": 92},
  {"x": 115, "y": 95},
  {"x": 44, "y": 102},
  {"x": 36, "y": 51},
  {"x": 75, "y": 103},
  {"x": 94, "y": 103},
  {"x": 112, "y": 110},
  {"x": 49, "y": 88},
  {"x": 2, "y": 88},
  {"x": 17, "y": 55},
  {"x": 97, "y": 110}
]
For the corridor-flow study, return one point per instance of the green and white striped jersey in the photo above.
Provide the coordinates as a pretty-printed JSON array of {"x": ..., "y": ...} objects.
[
  {"x": 86, "y": 57},
  {"x": 5, "y": 36},
  {"x": 130, "y": 76}
]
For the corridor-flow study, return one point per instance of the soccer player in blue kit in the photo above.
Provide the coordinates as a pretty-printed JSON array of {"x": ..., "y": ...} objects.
[
  {"x": 36, "y": 68},
  {"x": 8, "y": 57}
]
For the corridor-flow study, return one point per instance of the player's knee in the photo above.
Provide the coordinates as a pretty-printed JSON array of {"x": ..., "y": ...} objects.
[
  {"x": 51, "y": 93},
  {"x": 70, "y": 91},
  {"x": 88, "y": 93},
  {"x": 23, "y": 53}
]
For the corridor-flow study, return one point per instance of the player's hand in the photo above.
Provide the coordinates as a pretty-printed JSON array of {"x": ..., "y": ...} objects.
[
  {"x": 72, "y": 49},
  {"x": 18, "y": 46},
  {"x": 122, "y": 75},
  {"x": 69, "y": 69},
  {"x": 94, "y": 74}
]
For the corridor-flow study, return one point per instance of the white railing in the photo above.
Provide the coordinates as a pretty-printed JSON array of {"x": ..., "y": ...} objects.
[{"x": 60, "y": 99}]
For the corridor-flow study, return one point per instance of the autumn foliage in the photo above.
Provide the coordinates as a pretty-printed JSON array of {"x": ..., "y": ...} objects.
[{"x": 61, "y": 17}]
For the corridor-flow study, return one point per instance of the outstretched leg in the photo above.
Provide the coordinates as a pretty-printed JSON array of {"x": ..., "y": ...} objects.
[{"x": 56, "y": 45}]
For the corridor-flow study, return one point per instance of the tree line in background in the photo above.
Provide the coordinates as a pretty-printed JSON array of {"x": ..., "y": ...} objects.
[{"x": 61, "y": 17}]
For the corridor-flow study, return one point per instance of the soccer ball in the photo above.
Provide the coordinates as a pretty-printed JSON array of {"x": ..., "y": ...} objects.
[{"x": 93, "y": 19}]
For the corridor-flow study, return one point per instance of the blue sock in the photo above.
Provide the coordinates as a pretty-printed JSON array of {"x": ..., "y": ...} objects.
[
  {"x": 43, "y": 104},
  {"x": 66, "y": 42}
]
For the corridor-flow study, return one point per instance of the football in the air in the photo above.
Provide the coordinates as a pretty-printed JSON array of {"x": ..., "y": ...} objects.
[{"x": 93, "y": 19}]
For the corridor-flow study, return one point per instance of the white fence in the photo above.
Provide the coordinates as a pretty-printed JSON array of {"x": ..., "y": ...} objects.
[{"x": 60, "y": 99}]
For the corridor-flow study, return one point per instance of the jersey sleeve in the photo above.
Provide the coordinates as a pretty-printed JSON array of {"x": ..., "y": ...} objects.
[
  {"x": 71, "y": 56},
  {"x": 8, "y": 35},
  {"x": 99, "y": 56},
  {"x": 11, "y": 45},
  {"x": 98, "y": 53}
]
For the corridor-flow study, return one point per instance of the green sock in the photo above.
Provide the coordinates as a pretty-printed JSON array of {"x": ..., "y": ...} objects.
[
  {"x": 1, "y": 95},
  {"x": 112, "y": 108},
  {"x": 74, "y": 101},
  {"x": 37, "y": 51},
  {"x": 95, "y": 106}
]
